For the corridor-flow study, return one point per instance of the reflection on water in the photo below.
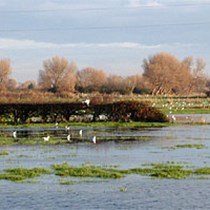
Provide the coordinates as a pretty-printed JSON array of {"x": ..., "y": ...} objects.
[{"x": 142, "y": 192}]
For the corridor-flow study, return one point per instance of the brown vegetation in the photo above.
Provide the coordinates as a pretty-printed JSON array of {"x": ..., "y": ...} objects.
[
  {"x": 163, "y": 74},
  {"x": 167, "y": 75}
]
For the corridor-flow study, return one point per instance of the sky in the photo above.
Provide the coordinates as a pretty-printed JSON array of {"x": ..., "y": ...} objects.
[{"x": 112, "y": 35}]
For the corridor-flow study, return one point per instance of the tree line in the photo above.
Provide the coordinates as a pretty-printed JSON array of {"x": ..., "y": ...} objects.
[{"x": 163, "y": 74}]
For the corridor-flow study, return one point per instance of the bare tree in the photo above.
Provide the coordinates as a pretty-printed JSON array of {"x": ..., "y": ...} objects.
[
  {"x": 57, "y": 75},
  {"x": 166, "y": 74},
  {"x": 5, "y": 71},
  {"x": 199, "y": 80},
  {"x": 90, "y": 79},
  {"x": 116, "y": 83},
  {"x": 11, "y": 84},
  {"x": 132, "y": 82},
  {"x": 28, "y": 85}
]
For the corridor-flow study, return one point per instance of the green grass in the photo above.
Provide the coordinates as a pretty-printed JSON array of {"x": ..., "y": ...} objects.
[
  {"x": 186, "y": 111},
  {"x": 86, "y": 171},
  {"x": 92, "y": 125},
  {"x": 195, "y": 146},
  {"x": 4, "y": 153},
  {"x": 168, "y": 170},
  {"x": 184, "y": 146},
  {"x": 68, "y": 182},
  {"x": 6, "y": 141},
  {"x": 203, "y": 171},
  {"x": 31, "y": 141},
  {"x": 20, "y": 174}
]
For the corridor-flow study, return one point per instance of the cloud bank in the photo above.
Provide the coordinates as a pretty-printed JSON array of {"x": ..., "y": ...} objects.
[{"x": 15, "y": 44}]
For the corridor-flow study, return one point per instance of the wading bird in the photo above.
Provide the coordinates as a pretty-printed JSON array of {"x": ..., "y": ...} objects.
[
  {"x": 173, "y": 118},
  {"x": 67, "y": 128},
  {"x": 46, "y": 138},
  {"x": 56, "y": 124},
  {"x": 80, "y": 132},
  {"x": 94, "y": 139},
  {"x": 68, "y": 138},
  {"x": 14, "y": 134}
]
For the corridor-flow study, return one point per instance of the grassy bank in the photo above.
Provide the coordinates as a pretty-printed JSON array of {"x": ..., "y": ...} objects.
[{"x": 90, "y": 125}]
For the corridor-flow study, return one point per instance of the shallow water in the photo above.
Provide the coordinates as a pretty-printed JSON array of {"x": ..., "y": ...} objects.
[{"x": 142, "y": 192}]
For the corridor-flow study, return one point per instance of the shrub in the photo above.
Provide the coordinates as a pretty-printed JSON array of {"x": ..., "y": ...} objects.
[{"x": 130, "y": 111}]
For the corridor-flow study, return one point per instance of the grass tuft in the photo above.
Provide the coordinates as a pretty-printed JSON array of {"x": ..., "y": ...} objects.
[
  {"x": 4, "y": 153},
  {"x": 20, "y": 174},
  {"x": 86, "y": 171},
  {"x": 203, "y": 170}
]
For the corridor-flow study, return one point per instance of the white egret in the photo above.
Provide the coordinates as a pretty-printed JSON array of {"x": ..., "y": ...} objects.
[
  {"x": 94, "y": 139},
  {"x": 80, "y": 132},
  {"x": 68, "y": 138},
  {"x": 14, "y": 134},
  {"x": 67, "y": 128},
  {"x": 56, "y": 124},
  {"x": 173, "y": 118},
  {"x": 46, "y": 138}
]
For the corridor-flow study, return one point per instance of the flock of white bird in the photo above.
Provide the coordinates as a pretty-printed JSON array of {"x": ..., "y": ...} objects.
[{"x": 68, "y": 137}]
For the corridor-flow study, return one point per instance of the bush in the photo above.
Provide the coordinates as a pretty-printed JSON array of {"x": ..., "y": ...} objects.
[{"x": 130, "y": 111}]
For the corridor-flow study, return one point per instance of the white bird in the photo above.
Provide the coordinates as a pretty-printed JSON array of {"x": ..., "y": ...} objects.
[
  {"x": 80, "y": 132},
  {"x": 56, "y": 125},
  {"x": 46, "y": 138},
  {"x": 14, "y": 134},
  {"x": 94, "y": 139},
  {"x": 87, "y": 102},
  {"x": 173, "y": 118},
  {"x": 67, "y": 128},
  {"x": 68, "y": 138}
]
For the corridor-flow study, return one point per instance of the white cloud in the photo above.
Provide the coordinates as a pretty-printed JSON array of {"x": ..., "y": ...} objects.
[
  {"x": 143, "y": 3},
  {"x": 14, "y": 44}
]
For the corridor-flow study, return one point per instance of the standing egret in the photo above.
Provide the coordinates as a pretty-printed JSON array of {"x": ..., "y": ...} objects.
[
  {"x": 14, "y": 134},
  {"x": 68, "y": 138},
  {"x": 173, "y": 118},
  {"x": 80, "y": 132},
  {"x": 94, "y": 139},
  {"x": 46, "y": 138},
  {"x": 56, "y": 124}
]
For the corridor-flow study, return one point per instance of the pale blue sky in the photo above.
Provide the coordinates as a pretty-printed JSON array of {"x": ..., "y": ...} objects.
[{"x": 113, "y": 35}]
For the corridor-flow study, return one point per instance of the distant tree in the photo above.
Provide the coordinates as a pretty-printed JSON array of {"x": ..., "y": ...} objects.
[
  {"x": 28, "y": 85},
  {"x": 5, "y": 71},
  {"x": 133, "y": 82},
  {"x": 117, "y": 84},
  {"x": 11, "y": 84},
  {"x": 199, "y": 79},
  {"x": 90, "y": 79},
  {"x": 57, "y": 75},
  {"x": 166, "y": 74}
]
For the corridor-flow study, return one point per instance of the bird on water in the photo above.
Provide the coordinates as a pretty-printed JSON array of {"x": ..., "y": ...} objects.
[
  {"x": 80, "y": 132},
  {"x": 14, "y": 134},
  {"x": 46, "y": 138},
  {"x": 94, "y": 139},
  {"x": 68, "y": 138}
]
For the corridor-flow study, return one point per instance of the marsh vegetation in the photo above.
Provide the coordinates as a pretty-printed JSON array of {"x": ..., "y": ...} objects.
[{"x": 168, "y": 170}]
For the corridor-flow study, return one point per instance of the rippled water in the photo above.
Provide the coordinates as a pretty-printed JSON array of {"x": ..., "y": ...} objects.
[{"x": 142, "y": 192}]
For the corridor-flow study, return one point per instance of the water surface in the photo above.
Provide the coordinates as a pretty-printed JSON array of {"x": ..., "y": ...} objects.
[{"x": 46, "y": 192}]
